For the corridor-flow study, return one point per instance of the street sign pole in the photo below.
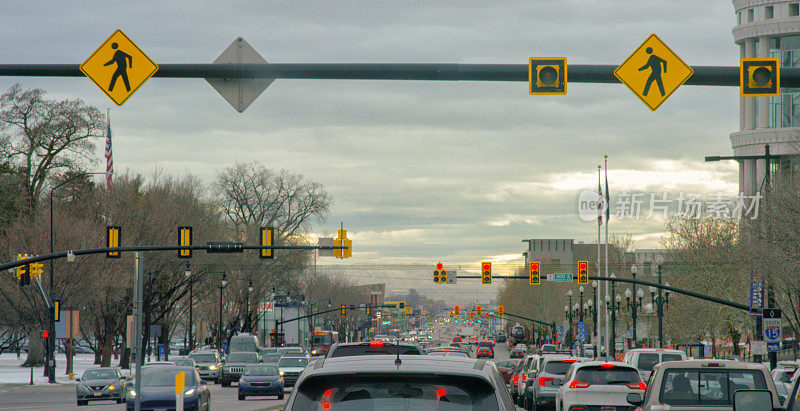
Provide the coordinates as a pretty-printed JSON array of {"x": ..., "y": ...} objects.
[{"x": 138, "y": 276}]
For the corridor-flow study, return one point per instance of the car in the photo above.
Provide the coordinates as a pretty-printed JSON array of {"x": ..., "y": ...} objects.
[
  {"x": 235, "y": 364},
  {"x": 260, "y": 380},
  {"x": 644, "y": 359},
  {"x": 157, "y": 363},
  {"x": 290, "y": 368},
  {"x": 208, "y": 364},
  {"x": 703, "y": 384},
  {"x": 472, "y": 340},
  {"x": 549, "y": 375},
  {"x": 101, "y": 383},
  {"x": 528, "y": 379},
  {"x": 506, "y": 369},
  {"x": 243, "y": 342},
  {"x": 598, "y": 385},
  {"x": 513, "y": 387},
  {"x": 461, "y": 350},
  {"x": 373, "y": 348},
  {"x": 518, "y": 351},
  {"x": 484, "y": 352},
  {"x": 157, "y": 389},
  {"x": 457, "y": 338},
  {"x": 184, "y": 362},
  {"x": 270, "y": 358},
  {"x": 548, "y": 349},
  {"x": 501, "y": 338},
  {"x": 414, "y": 382},
  {"x": 454, "y": 353},
  {"x": 488, "y": 344},
  {"x": 782, "y": 375}
]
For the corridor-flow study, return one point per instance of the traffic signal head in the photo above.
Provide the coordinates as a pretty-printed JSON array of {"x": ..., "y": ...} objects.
[
  {"x": 436, "y": 275},
  {"x": 583, "y": 272},
  {"x": 112, "y": 240},
  {"x": 759, "y": 77},
  {"x": 408, "y": 310},
  {"x": 451, "y": 314},
  {"x": 478, "y": 309},
  {"x": 486, "y": 273},
  {"x": 534, "y": 277},
  {"x": 439, "y": 266},
  {"x": 457, "y": 308},
  {"x": 401, "y": 305},
  {"x": 443, "y": 277},
  {"x": 500, "y": 310},
  {"x": 266, "y": 237},
  {"x": 184, "y": 239},
  {"x": 547, "y": 75},
  {"x": 23, "y": 271},
  {"x": 471, "y": 314},
  {"x": 368, "y": 310},
  {"x": 57, "y": 310},
  {"x": 344, "y": 309}
]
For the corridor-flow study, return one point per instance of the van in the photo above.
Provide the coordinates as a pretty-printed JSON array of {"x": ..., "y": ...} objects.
[
  {"x": 644, "y": 359},
  {"x": 243, "y": 342}
]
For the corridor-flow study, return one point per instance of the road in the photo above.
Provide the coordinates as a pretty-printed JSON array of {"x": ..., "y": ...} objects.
[{"x": 62, "y": 397}]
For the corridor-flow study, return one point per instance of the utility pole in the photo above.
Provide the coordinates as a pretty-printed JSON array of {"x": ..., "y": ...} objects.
[{"x": 138, "y": 276}]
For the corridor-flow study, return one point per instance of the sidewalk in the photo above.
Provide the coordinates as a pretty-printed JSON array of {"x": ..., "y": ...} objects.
[{"x": 12, "y": 373}]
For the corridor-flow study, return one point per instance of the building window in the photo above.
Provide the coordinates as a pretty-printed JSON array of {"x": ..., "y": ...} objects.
[
  {"x": 794, "y": 9},
  {"x": 749, "y": 15},
  {"x": 739, "y": 18},
  {"x": 769, "y": 12}
]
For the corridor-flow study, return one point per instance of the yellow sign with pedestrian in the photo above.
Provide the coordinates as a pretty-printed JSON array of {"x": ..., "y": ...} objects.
[
  {"x": 119, "y": 67},
  {"x": 653, "y": 72}
]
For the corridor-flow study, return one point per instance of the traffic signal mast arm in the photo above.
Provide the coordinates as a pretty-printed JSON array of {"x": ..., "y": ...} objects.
[
  {"x": 578, "y": 73},
  {"x": 348, "y": 307}
]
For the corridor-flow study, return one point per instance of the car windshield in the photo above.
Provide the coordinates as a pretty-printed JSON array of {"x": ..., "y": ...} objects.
[
  {"x": 271, "y": 358},
  {"x": 204, "y": 357},
  {"x": 293, "y": 362},
  {"x": 647, "y": 361},
  {"x": 557, "y": 367},
  {"x": 99, "y": 374},
  {"x": 373, "y": 349},
  {"x": 262, "y": 370},
  {"x": 599, "y": 375},
  {"x": 165, "y": 376},
  {"x": 245, "y": 357},
  {"x": 183, "y": 361},
  {"x": 406, "y": 392},
  {"x": 707, "y": 387}
]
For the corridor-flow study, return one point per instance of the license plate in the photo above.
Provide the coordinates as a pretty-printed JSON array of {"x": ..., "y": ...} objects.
[
  {"x": 97, "y": 394},
  {"x": 608, "y": 408}
]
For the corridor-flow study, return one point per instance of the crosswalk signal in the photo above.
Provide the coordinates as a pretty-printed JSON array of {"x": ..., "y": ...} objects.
[
  {"x": 759, "y": 77},
  {"x": 456, "y": 310},
  {"x": 500, "y": 310},
  {"x": 583, "y": 272},
  {"x": 534, "y": 277},
  {"x": 344, "y": 309},
  {"x": 266, "y": 238},
  {"x": 112, "y": 240},
  {"x": 185, "y": 240},
  {"x": 547, "y": 75},
  {"x": 486, "y": 273}
]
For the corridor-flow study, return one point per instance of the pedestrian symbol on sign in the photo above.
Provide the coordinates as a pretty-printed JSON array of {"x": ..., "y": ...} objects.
[
  {"x": 123, "y": 60},
  {"x": 654, "y": 63}
]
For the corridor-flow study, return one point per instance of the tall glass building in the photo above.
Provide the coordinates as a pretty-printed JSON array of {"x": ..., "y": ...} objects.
[{"x": 768, "y": 28}]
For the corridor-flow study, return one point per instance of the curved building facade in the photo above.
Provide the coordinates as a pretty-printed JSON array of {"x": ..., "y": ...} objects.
[{"x": 768, "y": 28}]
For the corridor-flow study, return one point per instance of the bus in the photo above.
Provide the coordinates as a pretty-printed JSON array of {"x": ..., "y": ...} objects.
[
  {"x": 517, "y": 335},
  {"x": 321, "y": 341}
]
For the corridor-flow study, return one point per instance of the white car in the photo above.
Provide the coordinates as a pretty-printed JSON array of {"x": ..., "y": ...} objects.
[
  {"x": 644, "y": 359},
  {"x": 597, "y": 385}
]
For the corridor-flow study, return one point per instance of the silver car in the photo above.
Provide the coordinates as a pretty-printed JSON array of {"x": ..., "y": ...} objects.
[
  {"x": 102, "y": 383},
  {"x": 208, "y": 364}
]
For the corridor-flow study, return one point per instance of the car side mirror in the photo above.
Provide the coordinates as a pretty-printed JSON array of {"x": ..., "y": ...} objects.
[
  {"x": 755, "y": 400},
  {"x": 634, "y": 399}
]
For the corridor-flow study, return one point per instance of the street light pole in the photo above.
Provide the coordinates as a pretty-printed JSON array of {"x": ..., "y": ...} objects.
[
  {"x": 593, "y": 309},
  {"x": 223, "y": 284},
  {"x": 247, "y": 318},
  {"x": 581, "y": 303},
  {"x": 188, "y": 273},
  {"x": 631, "y": 293},
  {"x": 51, "y": 339},
  {"x": 659, "y": 299}
]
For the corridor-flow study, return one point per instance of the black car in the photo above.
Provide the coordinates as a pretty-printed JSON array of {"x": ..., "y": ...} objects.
[
  {"x": 235, "y": 364},
  {"x": 105, "y": 383},
  {"x": 157, "y": 390}
]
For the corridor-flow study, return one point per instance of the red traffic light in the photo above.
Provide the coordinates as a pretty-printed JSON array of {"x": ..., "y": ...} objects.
[
  {"x": 582, "y": 265},
  {"x": 45, "y": 334},
  {"x": 535, "y": 266},
  {"x": 439, "y": 266},
  {"x": 487, "y": 266}
]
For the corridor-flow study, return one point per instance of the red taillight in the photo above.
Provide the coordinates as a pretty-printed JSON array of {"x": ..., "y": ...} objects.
[
  {"x": 524, "y": 377},
  {"x": 544, "y": 380},
  {"x": 326, "y": 405},
  {"x": 578, "y": 384},
  {"x": 440, "y": 392},
  {"x": 637, "y": 385},
  {"x": 569, "y": 360},
  {"x": 607, "y": 365},
  {"x": 376, "y": 343},
  {"x": 446, "y": 350},
  {"x": 326, "y": 393}
]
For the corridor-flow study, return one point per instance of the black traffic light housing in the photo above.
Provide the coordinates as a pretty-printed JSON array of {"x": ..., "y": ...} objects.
[
  {"x": 760, "y": 77},
  {"x": 534, "y": 277},
  {"x": 547, "y": 75}
]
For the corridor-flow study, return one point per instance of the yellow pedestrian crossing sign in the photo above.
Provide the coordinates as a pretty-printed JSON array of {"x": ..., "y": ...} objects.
[
  {"x": 653, "y": 72},
  {"x": 119, "y": 67}
]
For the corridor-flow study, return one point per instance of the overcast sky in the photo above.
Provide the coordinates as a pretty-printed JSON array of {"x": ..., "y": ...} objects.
[{"x": 420, "y": 171}]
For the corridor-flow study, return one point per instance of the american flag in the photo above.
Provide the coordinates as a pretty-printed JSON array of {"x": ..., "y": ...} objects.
[{"x": 109, "y": 157}]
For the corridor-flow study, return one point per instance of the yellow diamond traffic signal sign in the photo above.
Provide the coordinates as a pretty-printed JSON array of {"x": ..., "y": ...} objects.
[
  {"x": 119, "y": 67},
  {"x": 486, "y": 272},
  {"x": 547, "y": 75},
  {"x": 760, "y": 77},
  {"x": 583, "y": 272},
  {"x": 653, "y": 72},
  {"x": 185, "y": 239},
  {"x": 534, "y": 277}
]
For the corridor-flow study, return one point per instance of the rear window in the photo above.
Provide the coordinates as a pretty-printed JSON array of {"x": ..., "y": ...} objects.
[
  {"x": 351, "y": 350},
  {"x": 245, "y": 357},
  {"x": 707, "y": 387},
  {"x": 204, "y": 357},
  {"x": 293, "y": 362},
  {"x": 557, "y": 367},
  {"x": 671, "y": 357},
  {"x": 647, "y": 361},
  {"x": 597, "y": 375},
  {"x": 395, "y": 392}
]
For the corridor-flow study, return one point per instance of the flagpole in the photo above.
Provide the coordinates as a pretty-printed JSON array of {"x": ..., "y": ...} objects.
[
  {"x": 599, "y": 224},
  {"x": 608, "y": 211}
]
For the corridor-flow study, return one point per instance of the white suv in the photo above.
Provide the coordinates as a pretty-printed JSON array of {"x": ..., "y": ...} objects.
[
  {"x": 645, "y": 359},
  {"x": 598, "y": 385}
]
